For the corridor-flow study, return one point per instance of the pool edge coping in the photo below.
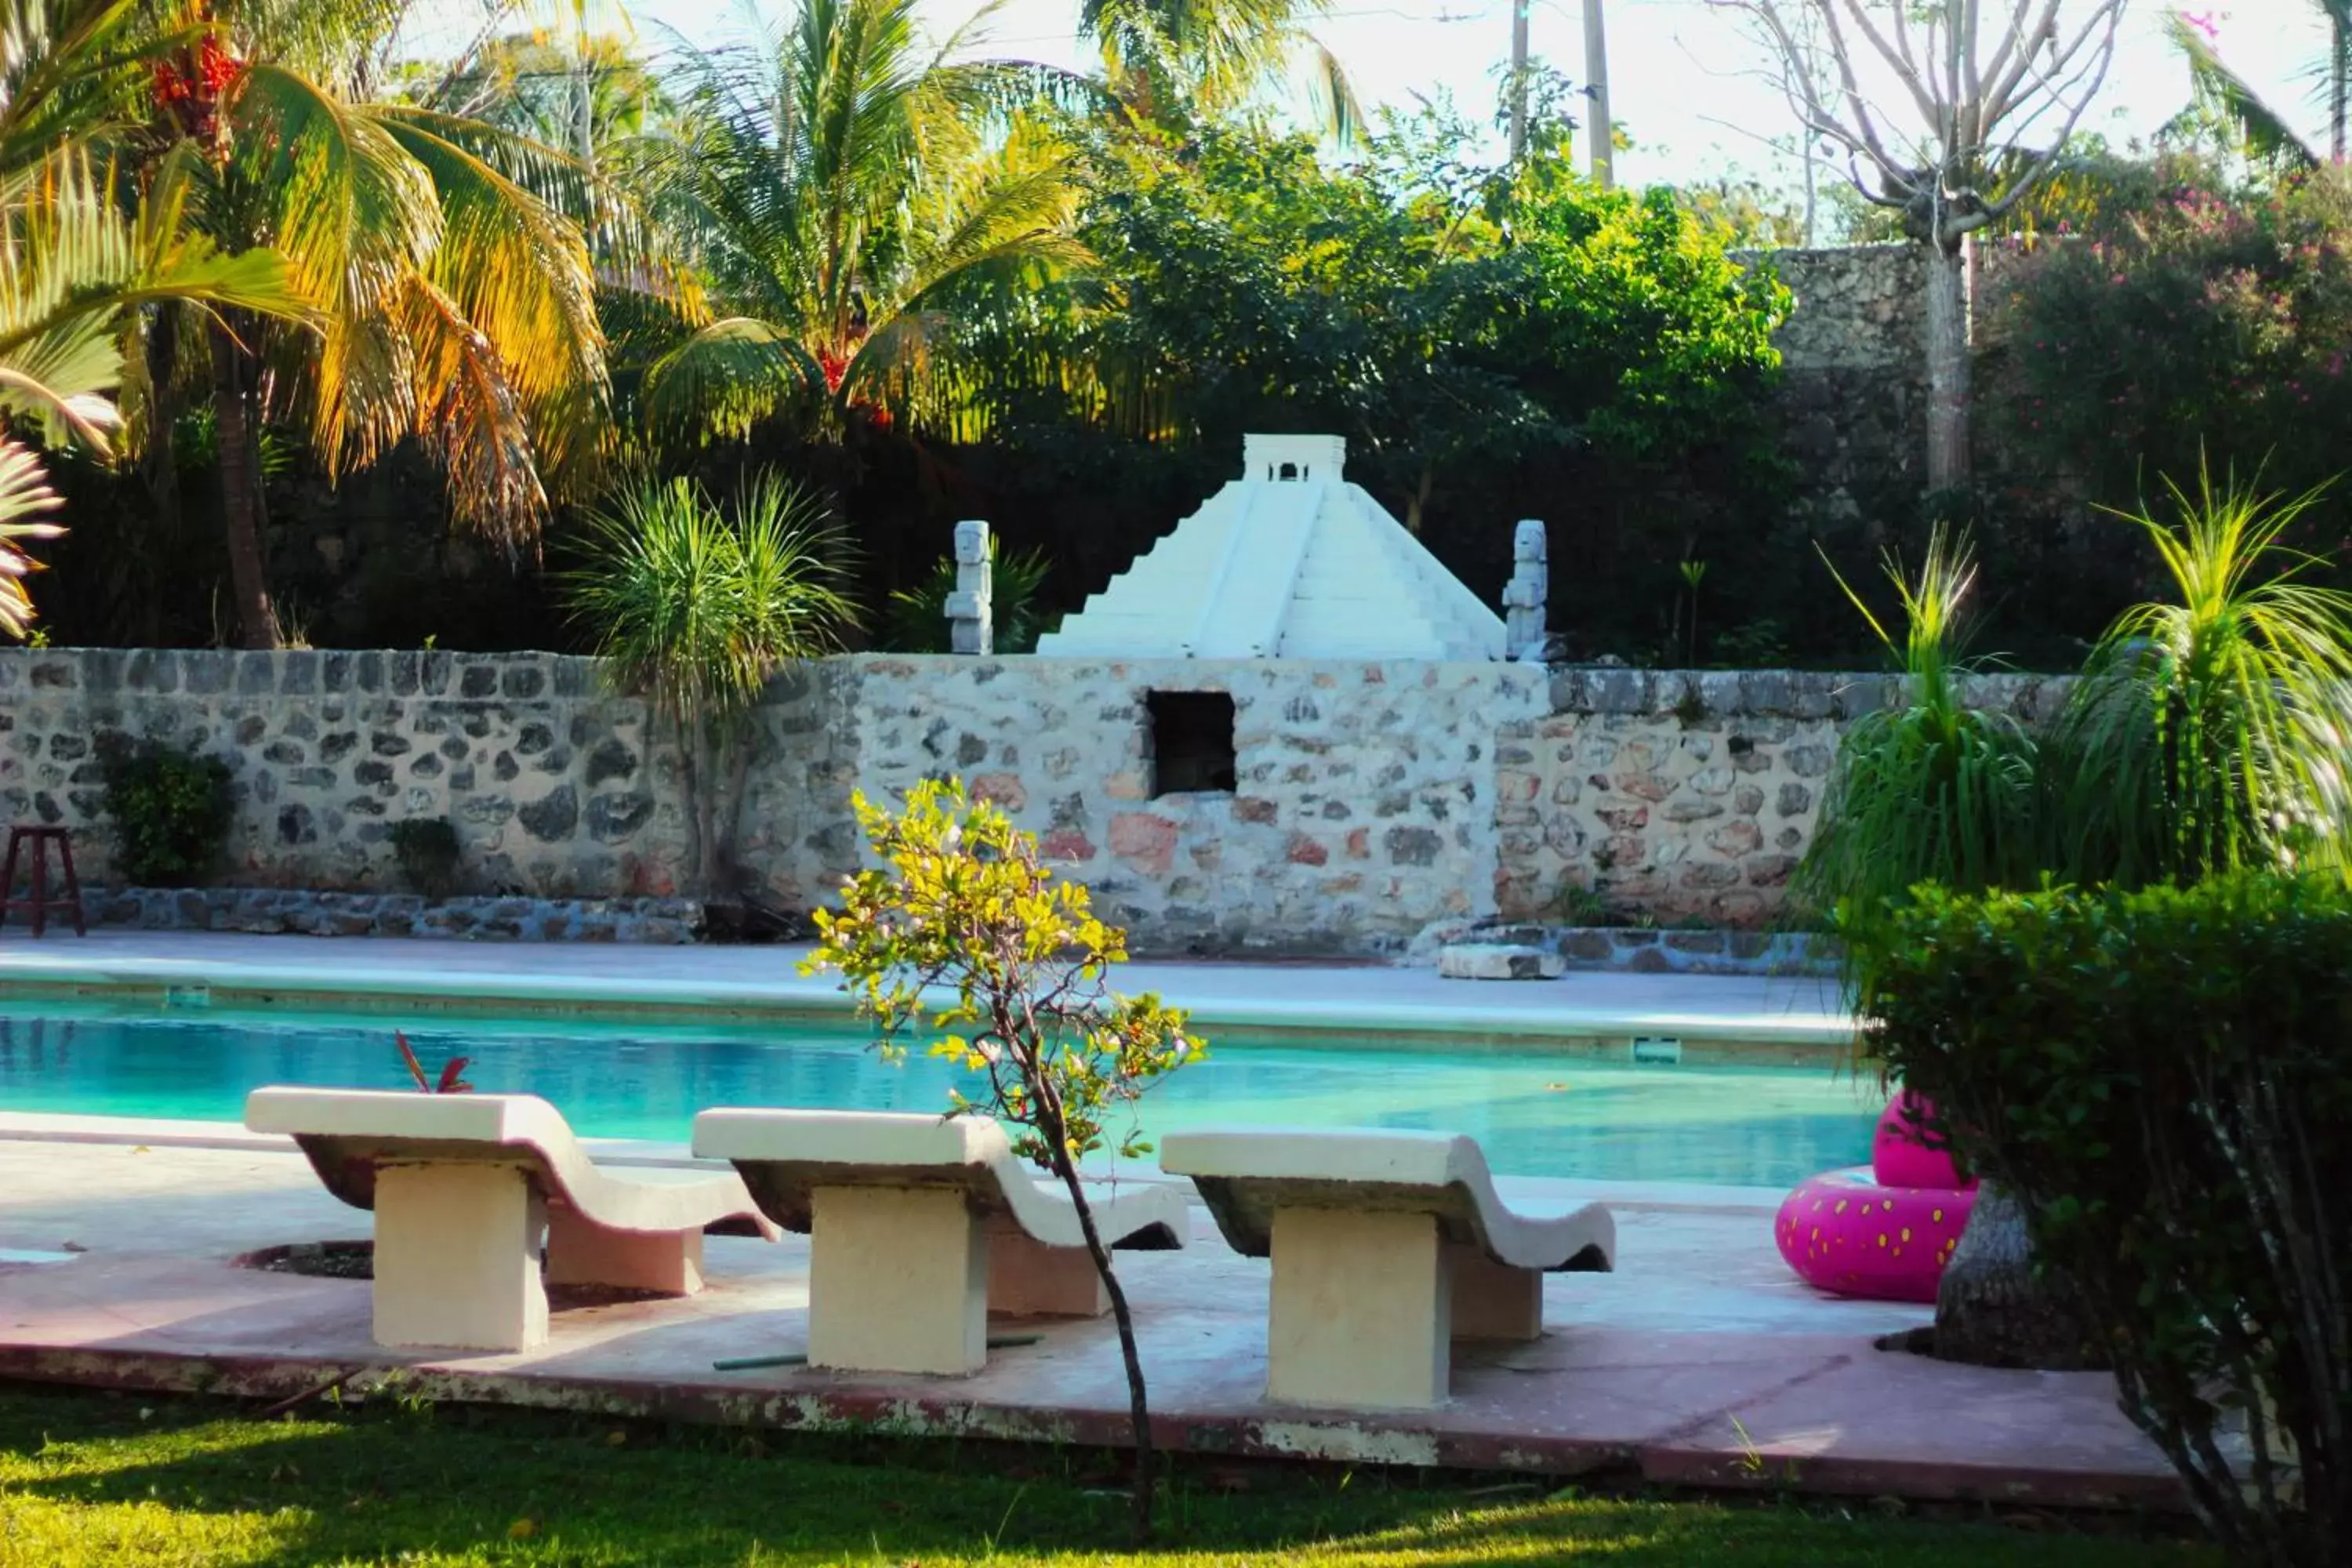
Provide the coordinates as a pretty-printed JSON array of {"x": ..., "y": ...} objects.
[{"x": 24, "y": 974}]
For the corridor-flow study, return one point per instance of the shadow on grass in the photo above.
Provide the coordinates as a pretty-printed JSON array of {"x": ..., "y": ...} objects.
[{"x": 91, "y": 1479}]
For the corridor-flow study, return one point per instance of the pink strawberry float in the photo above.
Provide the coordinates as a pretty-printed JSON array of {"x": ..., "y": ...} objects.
[{"x": 1883, "y": 1231}]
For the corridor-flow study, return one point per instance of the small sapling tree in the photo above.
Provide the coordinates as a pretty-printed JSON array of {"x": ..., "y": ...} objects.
[{"x": 960, "y": 933}]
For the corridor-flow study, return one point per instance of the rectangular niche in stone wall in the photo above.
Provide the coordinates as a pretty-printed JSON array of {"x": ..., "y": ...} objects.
[{"x": 1190, "y": 741}]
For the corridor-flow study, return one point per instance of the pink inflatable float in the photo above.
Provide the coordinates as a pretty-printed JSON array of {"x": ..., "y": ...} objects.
[{"x": 1884, "y": 1230}]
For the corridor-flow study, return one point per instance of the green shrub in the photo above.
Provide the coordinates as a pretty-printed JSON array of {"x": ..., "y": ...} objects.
[
  {"x": 426, "y": 849},
  {"x": 170, "y": 810},
  {"x": 2206, "y": 734},
  {"x": 2163, "y": 1078},
  {"x": 1930, "y": 788},
  {"x": 2203, "y": 321}
]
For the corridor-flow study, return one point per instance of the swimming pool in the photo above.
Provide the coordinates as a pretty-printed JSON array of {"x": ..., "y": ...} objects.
[{"x": 1536, "y": 1113}]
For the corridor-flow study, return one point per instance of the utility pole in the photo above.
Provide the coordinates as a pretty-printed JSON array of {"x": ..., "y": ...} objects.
[
  {"x": 1596, "y": 76},
  {"x": 1519, "y": 83}
]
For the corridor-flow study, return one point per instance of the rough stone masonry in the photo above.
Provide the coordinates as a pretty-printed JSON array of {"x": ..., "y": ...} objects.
[{"x": 1369, "y": 802}]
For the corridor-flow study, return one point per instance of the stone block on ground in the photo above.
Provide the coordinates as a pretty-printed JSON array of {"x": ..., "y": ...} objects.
[{"x": 1499, "y": 960}]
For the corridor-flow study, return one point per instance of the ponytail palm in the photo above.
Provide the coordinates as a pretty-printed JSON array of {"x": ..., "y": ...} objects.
[
  {"x": 695, "y": 607},
  {"x": 1930, "y": 788},
  {"x": 836, "y": 195},
  {"x": 2209, "y": 732}
]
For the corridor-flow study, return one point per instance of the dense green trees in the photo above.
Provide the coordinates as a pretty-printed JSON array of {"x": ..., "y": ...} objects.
[{"x": 930, "y": 284}]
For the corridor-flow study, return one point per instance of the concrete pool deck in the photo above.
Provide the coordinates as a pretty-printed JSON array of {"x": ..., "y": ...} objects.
[
  {"x": 1700, "y": 1362},
  {"x": 1795, "y": 1015}
]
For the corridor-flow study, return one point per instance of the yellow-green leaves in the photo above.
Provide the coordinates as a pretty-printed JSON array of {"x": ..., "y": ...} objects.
[{"x": 962, "y": 932}]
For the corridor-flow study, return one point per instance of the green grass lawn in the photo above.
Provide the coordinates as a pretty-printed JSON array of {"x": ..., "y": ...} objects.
[{"x": 105, "y": 1480}]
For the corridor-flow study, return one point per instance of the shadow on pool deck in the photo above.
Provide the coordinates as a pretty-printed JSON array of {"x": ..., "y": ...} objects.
[{"x": 1700, "y": 1362}]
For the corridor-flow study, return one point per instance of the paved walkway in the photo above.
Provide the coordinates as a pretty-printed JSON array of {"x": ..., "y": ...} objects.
[
  {"x": 1701, "y": 1361},
  {"x": 1790, "y": 1011}
]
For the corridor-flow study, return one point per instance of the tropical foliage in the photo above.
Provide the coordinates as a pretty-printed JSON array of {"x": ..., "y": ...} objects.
[
  {"x": 695, "y": 607},
  {"x": 75, "y": 269},
  {"x": 836, "y": 193},
  {"x": 1930, "y": 788},
  {"x": 2207, "y": 733},
  {"x": 2266, "y": 131},
  {"x": 460, "y": 304}
]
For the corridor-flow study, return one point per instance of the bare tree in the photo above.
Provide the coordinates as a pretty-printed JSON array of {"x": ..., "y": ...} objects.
[{"x": 1950, "y": 117}]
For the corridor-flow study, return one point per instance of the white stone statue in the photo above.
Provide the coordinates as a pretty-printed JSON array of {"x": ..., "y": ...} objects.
[
  {"x": 1525, "y": 598},
  {"x": 971, "y": 608}
]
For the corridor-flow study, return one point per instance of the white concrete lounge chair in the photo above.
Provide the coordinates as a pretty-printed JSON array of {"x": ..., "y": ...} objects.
[
  {"x": 464, "y": 1185},
  {"x": 1386, "y": 1247},
  {"x": 920, "y": 1224}
]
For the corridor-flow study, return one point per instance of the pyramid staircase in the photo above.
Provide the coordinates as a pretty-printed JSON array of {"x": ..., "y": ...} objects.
[{"x": 1289, "y": 560}]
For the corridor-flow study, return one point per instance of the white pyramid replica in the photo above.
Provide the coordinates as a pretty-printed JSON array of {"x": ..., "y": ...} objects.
[{"x": 1289, "y": 560}]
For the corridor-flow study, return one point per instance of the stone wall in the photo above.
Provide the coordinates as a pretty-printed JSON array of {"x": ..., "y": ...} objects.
[
  {"x": 556, "y": 788},
  {"x": 1854, "y": 387},
  {"x": 1371, "y": 802},
  {"x": 1362, "y": 811},
  {"x": 1673, "y": 795}
]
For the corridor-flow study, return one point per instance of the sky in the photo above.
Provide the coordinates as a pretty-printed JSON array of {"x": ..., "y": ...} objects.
[{"x": 1684, "y": 83}]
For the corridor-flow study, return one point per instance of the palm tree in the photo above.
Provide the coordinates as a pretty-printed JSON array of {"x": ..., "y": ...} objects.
[
  {"x": 528, "y": 85},
  {"x": 76, "y": 266},
  {"x": 457, "y": 301},
  {"x": 835, "y": 195},
  {"x": 2263, "y": 128},
  {"x": 74, "y": 273},
  {"x": 1164, "y": 57},
  {"x": 696, "y": 609}
]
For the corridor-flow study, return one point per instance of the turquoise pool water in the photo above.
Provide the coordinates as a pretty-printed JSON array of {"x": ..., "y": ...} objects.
[{"x": 1537, "y": 1114}]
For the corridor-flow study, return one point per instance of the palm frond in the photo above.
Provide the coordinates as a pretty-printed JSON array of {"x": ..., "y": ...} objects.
[
  {"x": 624, "y": 245},
  {"x": 726, "y": 377},
  {"x": 519, "y": 274},
  {"x": 75, "y": 73},
  {"x": 25, "y": 499},
  {"x": 470, "y": 415},
  {"x": 73, "y": 265},
  {"x": 2264, "y": 130},
  {"x": 357, "y": 219}
]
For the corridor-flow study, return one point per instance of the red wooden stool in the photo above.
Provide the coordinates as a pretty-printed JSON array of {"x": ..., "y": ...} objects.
[{"x": 39, "y": 902}]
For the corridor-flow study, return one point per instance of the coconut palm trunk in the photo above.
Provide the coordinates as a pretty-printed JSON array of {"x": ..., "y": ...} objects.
[
  {"x": 160, "y": 466},
  {"x": 240, "y": 472}
]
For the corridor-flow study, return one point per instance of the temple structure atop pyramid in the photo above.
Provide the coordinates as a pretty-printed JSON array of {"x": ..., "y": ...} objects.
[{"x": 1289, "y": 560}]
